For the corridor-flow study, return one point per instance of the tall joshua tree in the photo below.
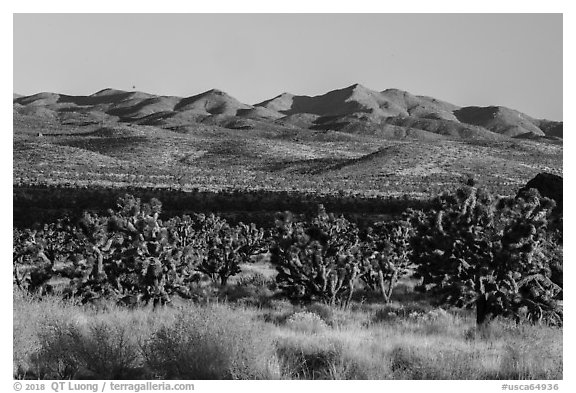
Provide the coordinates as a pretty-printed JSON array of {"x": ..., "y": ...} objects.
[{"x": 475, "y": 249}]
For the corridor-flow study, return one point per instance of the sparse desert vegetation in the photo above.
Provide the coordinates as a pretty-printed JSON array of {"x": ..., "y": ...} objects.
[
  {"x": 218, "y": 339},
  {"x": 364, "y": 255}
]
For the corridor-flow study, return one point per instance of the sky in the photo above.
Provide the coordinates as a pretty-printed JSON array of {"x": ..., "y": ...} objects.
[{"x": 513, "y": 60}]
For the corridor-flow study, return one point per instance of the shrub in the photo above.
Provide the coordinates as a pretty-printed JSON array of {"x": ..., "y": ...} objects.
[
  {"x": 210, "y": 343},
  {"x": 255, "y": 280},
  {"x": 407, "y": 310},
  {"x": 408, "y": 362},
  {"x": 255, "y": 289},
  {"x": 305, "y": 360},
  {"x": 97, "y": 350},
  {"x": 306, "y": 321},
  {"x": 519, "y": 363},
  {"x": 31, "y": 316},
  {"x": 324, "y": 311}
]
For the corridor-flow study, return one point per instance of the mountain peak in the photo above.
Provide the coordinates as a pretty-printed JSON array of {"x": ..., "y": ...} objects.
[
  {"x": 280, "y": 103},
  {"x": 214, "y": 102},
  {"x": 216, "y": 92},
  {"x": 394, "y": 90},
  {"x": 108, "y": 92},
  {"x": 356, "y": 86}
]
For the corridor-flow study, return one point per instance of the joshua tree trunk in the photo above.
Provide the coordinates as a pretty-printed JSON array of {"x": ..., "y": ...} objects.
[
  {"x": 100, "y": 261},
  {"x": 391, "y": 284},
  {"x": 386, "y": 292},
  {"x": 482, "y": 314},
  {"x": 350, "y": 293}
]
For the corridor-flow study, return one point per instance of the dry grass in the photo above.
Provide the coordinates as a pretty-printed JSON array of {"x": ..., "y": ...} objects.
[
  {"x": 54, "y": 339},
  {"x": 434, "y": 345}
]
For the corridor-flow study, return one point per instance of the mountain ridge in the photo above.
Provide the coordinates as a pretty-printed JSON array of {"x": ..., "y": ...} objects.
[{"x": 355, "y": 109}]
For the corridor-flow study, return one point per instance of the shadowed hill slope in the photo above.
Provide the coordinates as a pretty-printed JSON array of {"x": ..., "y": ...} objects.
[{"x": 499, "y": 120}]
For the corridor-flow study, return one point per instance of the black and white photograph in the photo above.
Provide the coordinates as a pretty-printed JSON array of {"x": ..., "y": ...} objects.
[{"x": 287, "y": 196}]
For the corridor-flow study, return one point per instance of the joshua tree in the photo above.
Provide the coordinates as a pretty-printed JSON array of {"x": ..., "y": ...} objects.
[
  {"x": 474, "y": 249},
  {"x": 40, "y": 254},
  {"x": 225, "y": 247},
  {"x": 317, "y": 260},
  {"x": 387, "y": 252}
]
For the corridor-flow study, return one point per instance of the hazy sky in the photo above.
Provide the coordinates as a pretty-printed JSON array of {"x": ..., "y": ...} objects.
[{"x": 513, "y": 60}]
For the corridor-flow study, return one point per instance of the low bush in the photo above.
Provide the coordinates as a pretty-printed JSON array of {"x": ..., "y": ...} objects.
[
  {"x": 254, "y": 289},
  {"x": 324, "y": 311},
  {"x": 410, "y": 362},
  {"x": 96, "y": 350},
  {"x": 519, "y": 362},
  {"x": 307, "y": 322},
  {"x": 210, "y": 343},
  {"x": 300, "y": 360},
  {"x": 395, "y": 311}
]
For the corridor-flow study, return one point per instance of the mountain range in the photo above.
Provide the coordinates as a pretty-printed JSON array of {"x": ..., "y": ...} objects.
[{"x": 390, "y": 113}]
